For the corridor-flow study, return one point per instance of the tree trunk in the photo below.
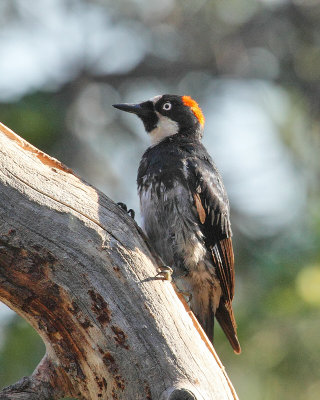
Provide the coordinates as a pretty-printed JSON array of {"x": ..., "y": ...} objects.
[{"x": 80, "y": 271}]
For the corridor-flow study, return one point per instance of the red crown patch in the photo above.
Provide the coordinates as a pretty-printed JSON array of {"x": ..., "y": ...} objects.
[{"x": 189, "y": 102}]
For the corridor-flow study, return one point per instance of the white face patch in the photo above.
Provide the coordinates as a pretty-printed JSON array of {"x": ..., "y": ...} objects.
[
  {"x": 156, "y": 98},
  {"x": 166, "y": 127}
]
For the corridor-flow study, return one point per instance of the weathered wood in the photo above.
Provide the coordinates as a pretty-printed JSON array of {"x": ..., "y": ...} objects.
[{"x": 77, "y": 267}]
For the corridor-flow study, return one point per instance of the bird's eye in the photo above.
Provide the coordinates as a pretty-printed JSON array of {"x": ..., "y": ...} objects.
[{"x": 167, "y": 106}]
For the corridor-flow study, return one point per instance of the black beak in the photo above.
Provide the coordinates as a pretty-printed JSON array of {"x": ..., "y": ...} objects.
[
  {"x": 133, "y": 108},
  {"x": 142, "y": 109},
  {"x": 145, "y": 111}
]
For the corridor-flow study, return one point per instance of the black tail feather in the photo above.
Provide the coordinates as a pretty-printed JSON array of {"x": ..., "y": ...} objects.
[{"x": 225, "y": 317}]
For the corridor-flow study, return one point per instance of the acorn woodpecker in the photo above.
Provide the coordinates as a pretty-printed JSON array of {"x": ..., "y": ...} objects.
[{"x": 185, "y": 209}]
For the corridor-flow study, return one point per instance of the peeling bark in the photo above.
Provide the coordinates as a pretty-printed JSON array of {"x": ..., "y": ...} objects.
[{"x": 81, "y": 272}]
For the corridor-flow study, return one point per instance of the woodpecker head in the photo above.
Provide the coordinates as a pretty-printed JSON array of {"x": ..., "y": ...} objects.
[{"x": 168, "y": 115}]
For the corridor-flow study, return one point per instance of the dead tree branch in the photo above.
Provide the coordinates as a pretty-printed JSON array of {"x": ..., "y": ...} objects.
[{"x": 79, "y": 270}]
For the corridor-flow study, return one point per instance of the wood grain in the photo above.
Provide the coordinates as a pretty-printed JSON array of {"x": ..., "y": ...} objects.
[{"x": 80, "y": 271}]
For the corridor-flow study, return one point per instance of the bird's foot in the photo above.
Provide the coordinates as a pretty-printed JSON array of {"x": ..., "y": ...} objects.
[
  {"x": 165, "y": 272},
  {"x": 187, "y": 296},
  {"x": 125, "y": 208}
]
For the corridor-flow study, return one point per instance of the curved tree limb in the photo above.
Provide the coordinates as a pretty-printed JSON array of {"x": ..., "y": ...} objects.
[{"x": 80, "y": 271}]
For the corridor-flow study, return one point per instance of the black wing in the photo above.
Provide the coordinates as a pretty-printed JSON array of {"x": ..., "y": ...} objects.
[
  {"x": 212, "y": 208},
  {"x": 212, "y": 205}
]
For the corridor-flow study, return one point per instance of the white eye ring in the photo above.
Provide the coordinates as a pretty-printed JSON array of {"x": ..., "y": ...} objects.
[{"x": 167, "y": 106}]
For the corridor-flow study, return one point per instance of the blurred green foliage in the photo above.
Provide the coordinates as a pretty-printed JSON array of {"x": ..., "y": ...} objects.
[
  {"x": 38, "y": 117},
  {"x": 95, "y": 53},
  {"x": 21, "y": 349}
]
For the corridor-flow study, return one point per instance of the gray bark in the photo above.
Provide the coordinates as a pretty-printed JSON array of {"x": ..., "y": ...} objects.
[{"x": 81, "y": 272}]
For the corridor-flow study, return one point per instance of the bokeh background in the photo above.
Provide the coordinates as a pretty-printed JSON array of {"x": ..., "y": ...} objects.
[{"x": 254, "y": 67}]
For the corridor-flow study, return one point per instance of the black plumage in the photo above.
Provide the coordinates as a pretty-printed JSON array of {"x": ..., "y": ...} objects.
[{"x": 185, "y": 210}]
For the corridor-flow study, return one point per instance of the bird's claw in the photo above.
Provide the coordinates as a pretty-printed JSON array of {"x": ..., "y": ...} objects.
[
  {"x": 187, "y": 296},
  {"x": 125, "y": 208},
  {"x": 165, "y": 272}
]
